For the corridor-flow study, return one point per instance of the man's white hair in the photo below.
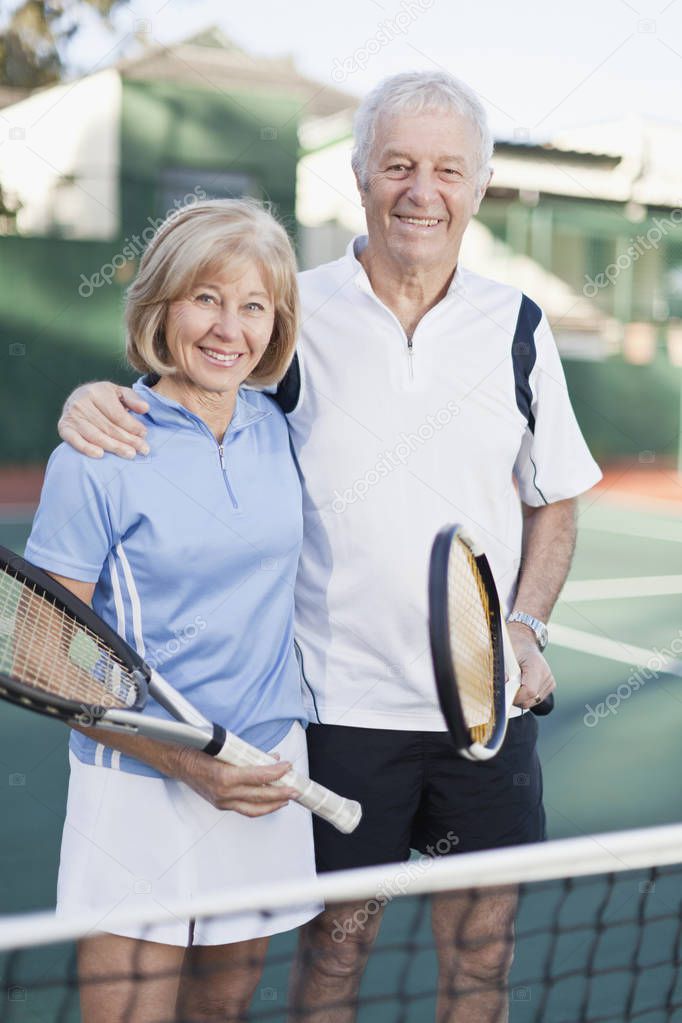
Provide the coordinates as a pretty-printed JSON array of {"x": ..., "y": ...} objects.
[{"x": 413, "y": 92}]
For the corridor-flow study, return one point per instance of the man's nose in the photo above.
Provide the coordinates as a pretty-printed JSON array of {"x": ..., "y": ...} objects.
[{"x": 423, "y": 190}]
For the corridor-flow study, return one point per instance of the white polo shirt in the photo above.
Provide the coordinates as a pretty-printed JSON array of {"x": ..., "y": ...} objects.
[{"x": 393, "y": 441}]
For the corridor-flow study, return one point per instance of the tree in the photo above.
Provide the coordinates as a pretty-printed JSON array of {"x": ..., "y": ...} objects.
[{"x": 33, "y": 41}]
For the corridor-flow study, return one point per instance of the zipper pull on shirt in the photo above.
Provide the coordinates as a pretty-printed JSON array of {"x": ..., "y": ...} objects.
[
  {"x": 410, "y": 357},
  {"x": 228, "y": 485}
]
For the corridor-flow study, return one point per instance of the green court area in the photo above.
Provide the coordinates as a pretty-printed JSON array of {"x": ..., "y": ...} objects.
[{"x": 612, "y": 760}]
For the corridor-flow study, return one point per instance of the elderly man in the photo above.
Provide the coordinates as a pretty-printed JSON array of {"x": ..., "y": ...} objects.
[{"x": 421, "y": 394}]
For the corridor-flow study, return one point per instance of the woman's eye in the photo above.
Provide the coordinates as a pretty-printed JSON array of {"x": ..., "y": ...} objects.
[
  {"x": 204, "y": 298},
  {"x": 255, "y": 307}
]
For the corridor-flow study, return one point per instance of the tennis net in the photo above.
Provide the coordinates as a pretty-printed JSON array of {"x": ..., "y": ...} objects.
[{"x": 597, "y": 938}]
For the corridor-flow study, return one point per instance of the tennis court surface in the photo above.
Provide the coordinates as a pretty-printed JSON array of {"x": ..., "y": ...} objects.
[{"x": 606, "y": 946}]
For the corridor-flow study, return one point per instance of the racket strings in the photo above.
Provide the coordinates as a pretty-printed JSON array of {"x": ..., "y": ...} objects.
[
  {"x": 471, "y": 642},
  {"x": 44, "y": 647}
]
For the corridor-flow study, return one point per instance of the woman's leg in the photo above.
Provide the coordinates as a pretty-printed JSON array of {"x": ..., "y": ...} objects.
[
  {"x": 124, "y": 980},
  {"x": 218, "y": 981}
]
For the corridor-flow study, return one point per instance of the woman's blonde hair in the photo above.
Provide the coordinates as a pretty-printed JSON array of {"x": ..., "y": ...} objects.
[{"x": 217, "y": 235}]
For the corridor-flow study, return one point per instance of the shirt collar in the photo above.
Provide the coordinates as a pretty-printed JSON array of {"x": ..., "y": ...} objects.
[
  {"x": 458, "y": 284},
  {"x": 165, "y": 411}
]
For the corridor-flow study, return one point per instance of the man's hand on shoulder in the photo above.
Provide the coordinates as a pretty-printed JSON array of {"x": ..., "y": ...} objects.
[
  {"x": 536, "y": 674},
  {"x": 96, "y": 418}
]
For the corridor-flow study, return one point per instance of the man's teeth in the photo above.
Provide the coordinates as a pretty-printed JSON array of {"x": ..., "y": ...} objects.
[
  {"x": 421, "y": 222},
  {"x": 220, "y": 357}
]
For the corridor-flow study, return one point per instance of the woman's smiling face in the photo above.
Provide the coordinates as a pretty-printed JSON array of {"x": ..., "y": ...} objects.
[{"x": 217, "y": 335}]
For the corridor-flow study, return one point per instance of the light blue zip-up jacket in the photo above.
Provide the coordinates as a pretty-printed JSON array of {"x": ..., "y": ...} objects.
[{"x": 194, "y": 550}]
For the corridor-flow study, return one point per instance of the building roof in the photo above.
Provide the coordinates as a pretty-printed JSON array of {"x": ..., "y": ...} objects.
[
  {"x": 212, "y": 60},
  {"x": 11, "y": 94}
]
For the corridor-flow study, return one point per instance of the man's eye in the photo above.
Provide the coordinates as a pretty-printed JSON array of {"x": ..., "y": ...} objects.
[
  {"x": 452, "y": 171},
  {"x": 398, "y": 167}
]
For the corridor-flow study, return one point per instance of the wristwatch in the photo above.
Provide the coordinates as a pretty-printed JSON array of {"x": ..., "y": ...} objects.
[{"x": 538, "y": 627}]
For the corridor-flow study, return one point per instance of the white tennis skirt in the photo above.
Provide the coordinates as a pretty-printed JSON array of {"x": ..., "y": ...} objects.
[{"x": 131, "y": 841}]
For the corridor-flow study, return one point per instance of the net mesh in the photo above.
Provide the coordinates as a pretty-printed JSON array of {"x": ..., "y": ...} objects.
[
  {"x": 470, "y": 641},
  {"x": 43, "y": 647},
  {"x": 589, "y": 945}
]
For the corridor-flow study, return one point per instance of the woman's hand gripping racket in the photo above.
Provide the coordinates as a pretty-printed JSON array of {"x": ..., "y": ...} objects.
[
  {"x": 57, "y": 657},
  {"x": 477, "y": 674}
]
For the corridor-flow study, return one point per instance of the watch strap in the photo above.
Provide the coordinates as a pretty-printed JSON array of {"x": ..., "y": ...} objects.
[{"x": 538, "y": 627}]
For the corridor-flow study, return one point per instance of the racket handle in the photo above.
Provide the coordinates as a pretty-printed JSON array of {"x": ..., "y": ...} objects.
[
  {"x": 513, "y": 674},
  {"x": 343, "y": 813},
  {"x": 546, "y": 707}
]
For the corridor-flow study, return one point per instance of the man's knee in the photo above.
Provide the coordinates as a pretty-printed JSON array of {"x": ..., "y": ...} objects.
[
  {"x": 338, "y": 943},
  {"x": 486, "y": 964}
]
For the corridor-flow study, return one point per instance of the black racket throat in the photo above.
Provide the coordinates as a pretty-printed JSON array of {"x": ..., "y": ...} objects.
[{"x": 217, "y": 742}]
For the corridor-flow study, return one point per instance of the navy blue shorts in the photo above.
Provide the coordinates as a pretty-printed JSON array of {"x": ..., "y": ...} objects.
[{"x": 417, "y": 793}]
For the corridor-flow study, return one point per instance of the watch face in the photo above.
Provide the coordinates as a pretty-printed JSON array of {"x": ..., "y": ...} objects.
[{"x": 543, "y": 637}]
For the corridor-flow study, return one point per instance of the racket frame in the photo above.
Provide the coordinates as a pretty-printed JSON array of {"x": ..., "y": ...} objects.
[
  {"x": 189, "y": 727},
  {"x": 503, "y": 660}
]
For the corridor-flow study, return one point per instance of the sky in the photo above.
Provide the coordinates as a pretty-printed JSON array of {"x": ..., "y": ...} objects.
[{"x": 539, "y": 65}]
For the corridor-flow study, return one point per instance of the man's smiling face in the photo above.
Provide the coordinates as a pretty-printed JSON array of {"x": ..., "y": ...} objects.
[{"x": 422, "y": 187}]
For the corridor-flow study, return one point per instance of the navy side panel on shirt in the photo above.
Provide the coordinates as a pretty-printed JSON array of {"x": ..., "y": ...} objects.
[{"x": 524, "y": 355}]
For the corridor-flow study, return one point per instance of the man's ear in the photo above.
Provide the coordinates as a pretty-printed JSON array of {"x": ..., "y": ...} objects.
[
  {"x": 361, "y": 190},
  {"x": 482, "y": 190}
]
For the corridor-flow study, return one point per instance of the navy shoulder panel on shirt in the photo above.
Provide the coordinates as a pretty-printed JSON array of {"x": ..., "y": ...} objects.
[
  {"x": 289, "y": 388},
  {"x": 524, "y": 355}
]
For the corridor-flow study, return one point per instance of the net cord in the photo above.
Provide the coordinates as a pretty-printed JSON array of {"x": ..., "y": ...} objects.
[{"x": 609, "y": 852}]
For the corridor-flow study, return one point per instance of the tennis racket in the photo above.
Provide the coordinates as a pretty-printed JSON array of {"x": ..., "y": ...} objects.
[
  {"x": 57, "y": 657},
  {"x": 471, "y": 649}
]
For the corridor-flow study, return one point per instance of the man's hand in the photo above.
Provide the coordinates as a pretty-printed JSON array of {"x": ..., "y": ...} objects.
[
  {"x": 95, "y": 419},
  {"x": 536, "y": 674}
]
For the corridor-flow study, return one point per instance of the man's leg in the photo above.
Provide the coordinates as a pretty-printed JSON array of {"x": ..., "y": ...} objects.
[
  {"x": 474, "y": 935},
  {"x": 469, "y": 807},
  {"x": 382, "y": 769},
  {"x": 332, "y": 956}
]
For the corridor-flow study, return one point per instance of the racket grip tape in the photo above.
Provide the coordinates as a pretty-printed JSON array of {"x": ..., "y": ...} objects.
[
  {"x": 343, "y": 813},
  {"x": 546, "y": 707}
]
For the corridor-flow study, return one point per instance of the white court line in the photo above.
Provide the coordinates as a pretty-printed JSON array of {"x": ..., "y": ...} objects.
[
  {"x": 668, "y": 531},
  {"x": 600, "y": 646},
  {"x": 632, "y": 586}
]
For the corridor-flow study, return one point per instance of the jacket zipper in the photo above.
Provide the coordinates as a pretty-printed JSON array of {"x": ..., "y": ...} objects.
[{"x": 221, "y": 454}]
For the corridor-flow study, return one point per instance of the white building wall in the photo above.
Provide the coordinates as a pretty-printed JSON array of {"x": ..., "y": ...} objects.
[{"x": 60, "y": 158}]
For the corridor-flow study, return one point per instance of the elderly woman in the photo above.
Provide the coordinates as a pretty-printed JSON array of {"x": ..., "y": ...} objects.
[{"x": 214, "y": 306}]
